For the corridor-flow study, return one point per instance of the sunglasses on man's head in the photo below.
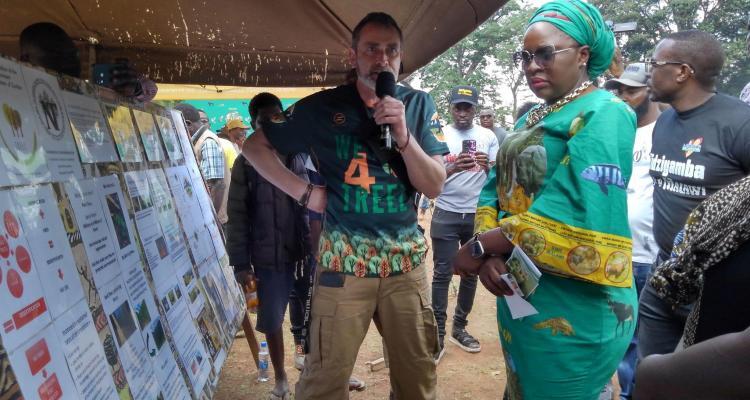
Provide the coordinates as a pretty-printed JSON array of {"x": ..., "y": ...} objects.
[{"x": 543, "y": 56}]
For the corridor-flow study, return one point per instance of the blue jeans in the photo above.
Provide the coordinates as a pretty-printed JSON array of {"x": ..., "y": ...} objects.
[
  {"x": 660, "y": 325},
  {"x": 448, "y": 231},
  {"x": 626, "y": 369}
]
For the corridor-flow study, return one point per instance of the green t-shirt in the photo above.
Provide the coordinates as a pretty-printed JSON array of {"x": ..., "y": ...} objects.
[{"x": 371, "y": 226}]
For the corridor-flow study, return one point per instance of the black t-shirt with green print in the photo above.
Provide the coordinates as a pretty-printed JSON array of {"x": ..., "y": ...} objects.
[{"x": 371, "y": 227}]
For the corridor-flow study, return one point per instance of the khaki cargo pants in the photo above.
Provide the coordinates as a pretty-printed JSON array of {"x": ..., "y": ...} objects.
[{"x": 342, "y": 308}]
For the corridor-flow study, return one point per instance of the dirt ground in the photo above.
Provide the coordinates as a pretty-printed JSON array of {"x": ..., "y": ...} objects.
[{"x": 461, "y": 375}]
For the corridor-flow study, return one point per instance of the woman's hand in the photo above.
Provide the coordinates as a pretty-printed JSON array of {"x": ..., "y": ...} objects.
[
  {"x": 494, "y": 243},
  {"x": 490, "y": 272},
  {"x": 464, "y": 264}
]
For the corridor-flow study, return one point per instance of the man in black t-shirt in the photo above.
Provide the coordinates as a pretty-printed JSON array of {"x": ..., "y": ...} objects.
[
  {"x": 371, "y": 253},
  {"x": 700, "y": 145}
]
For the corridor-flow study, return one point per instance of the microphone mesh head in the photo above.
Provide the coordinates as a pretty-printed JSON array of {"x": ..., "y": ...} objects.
[{"x": 385, "y": 85}]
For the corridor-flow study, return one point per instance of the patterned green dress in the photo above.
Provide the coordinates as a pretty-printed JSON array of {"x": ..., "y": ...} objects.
[{"x": 558, "y": 191}]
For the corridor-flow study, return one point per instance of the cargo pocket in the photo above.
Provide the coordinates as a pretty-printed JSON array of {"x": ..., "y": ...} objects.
[
  {"x": 428, "y": 318},
  {"x": 323, "y": 311}
]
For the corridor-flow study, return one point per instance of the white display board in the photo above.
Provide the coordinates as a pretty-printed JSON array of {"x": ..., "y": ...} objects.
[{"x": 112, "y": 283}]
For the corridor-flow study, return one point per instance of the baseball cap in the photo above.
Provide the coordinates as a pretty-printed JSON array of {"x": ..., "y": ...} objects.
[
  {"x": 634, "y": 76},
  {"x": 464, "y": 94},
  {"x": 235, "y": 123}
]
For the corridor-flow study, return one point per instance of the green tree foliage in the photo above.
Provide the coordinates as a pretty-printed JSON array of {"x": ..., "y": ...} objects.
[
  {"x": 727, "y": 19},
  {"x": 483, "y": 60},
  {"x": 512, "y": 20}
]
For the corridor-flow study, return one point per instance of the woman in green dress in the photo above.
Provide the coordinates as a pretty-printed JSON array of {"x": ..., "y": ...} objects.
[{"x": 558, "y": 192}]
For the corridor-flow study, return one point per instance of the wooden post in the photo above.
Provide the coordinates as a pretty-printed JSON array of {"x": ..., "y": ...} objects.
[{"x": 252, "y": 341}]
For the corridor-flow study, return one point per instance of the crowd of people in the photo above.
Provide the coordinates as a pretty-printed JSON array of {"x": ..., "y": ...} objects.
[
  {"x": 629, "y": 301},
  {"x": 630, "y": 194},
  {"x": 607, "y": 164}
]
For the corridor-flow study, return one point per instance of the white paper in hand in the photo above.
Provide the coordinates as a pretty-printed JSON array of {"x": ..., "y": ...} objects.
[
  {"x": 518, "y": 307},
  {"x": 524, "y": 271}
]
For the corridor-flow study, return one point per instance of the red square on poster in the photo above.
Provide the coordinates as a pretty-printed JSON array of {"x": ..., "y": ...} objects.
[
  {"x": 28, "y": 313},
  {"x": 38, "y": 356},
  {"x": 50, "y": 389}
]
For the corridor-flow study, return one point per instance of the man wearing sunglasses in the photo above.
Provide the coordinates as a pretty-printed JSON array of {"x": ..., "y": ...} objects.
[
  {"x": 700, "y": 145},
  {"x": 487, "y": 120},
  {"x": 631, "y": 88}
]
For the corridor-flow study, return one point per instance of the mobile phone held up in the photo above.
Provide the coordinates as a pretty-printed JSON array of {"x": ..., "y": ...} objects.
[{"x": 101, "y": 74}]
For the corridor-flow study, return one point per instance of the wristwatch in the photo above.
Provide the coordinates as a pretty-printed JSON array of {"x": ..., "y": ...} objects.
[{"x": 477, "y": 250}]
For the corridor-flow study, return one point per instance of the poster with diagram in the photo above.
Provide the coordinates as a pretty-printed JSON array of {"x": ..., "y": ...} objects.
[
  {"x": 110, "y": 283},
  {"x": 213, "y": 337},
  {"x": 167, "y": 216},
  {"x": 92, "y": 297},
  {"x": 41, "y": 369},
  {"x": 92, "y": 223},
  {"x": 218, "y": 293},
  {"x": 151, "y": 329},
  {"x": 87, "y": 122},
  {"x": 169, "y": 136},
  {"x": 24, "y": 310},
  {"x": 139, "y": 293},
  {"x": 49, "y": 248},
  {"x": 52, "y": 124},
  {"x": 183, "y": 137},
  {"x": 123, "y": 131},
  {"x": 186, "y": 204},
  {"x": 146, "y": 221},
  {"x": 23, "y": 158},
  {"x": 86, "y": 358},
  {"x": 149, "y": 135},
  {"x": 130, "y": 345},
  {"x": 186, "y": 337}
]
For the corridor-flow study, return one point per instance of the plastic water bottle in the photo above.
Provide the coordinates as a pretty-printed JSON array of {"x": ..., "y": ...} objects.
[{"x": 263, "y": 359}]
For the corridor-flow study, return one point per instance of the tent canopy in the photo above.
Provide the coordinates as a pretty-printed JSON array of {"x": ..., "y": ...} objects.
[{"x": 242, "y": 43}]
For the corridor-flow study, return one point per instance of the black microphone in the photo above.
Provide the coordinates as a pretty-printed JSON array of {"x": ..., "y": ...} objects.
[{"x": 385, "y": 86}]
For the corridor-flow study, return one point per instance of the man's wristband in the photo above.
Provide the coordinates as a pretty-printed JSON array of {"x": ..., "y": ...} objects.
[
  {"x": 306, "y": 196},
  {"x": 408, "y": 138}
]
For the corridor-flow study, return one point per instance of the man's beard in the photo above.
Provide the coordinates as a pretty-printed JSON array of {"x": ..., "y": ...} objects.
[
  {"x": 370, "y": 82},
  {"x": 660, "y": 97},
  {"x": 365, "y": 79},
  {"x": 464, "y": 126}
]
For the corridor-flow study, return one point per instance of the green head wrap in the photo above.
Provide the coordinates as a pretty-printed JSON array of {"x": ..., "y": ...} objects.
[{"x": 582, "y": 22}]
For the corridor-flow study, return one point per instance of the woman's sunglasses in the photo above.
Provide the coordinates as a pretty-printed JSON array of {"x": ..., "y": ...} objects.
[{"x": 543, "y": 56}]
